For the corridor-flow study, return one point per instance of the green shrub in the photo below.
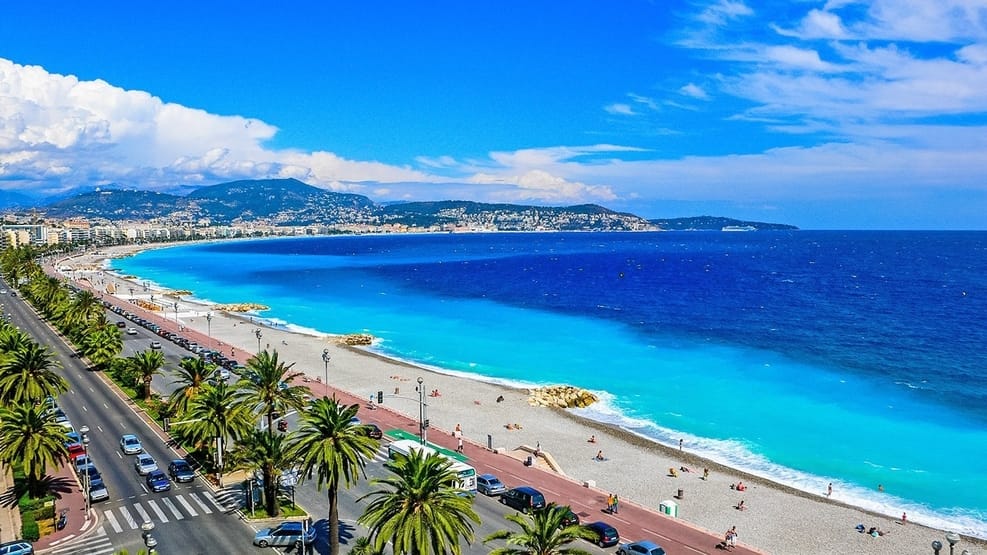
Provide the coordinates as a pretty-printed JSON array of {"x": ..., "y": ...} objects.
[
  {"x": 29, "y": 528},
  {"x": 45, "y": 513}
]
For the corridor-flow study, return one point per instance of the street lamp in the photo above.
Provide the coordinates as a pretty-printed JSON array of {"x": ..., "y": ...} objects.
[
  {"x": 259, "y": 335},
  {"x": 176, "y": 311},
  {"x": 84, "y": 430},
  {"x": 209, "y": 327},
  {"x": 146, "y": 528},
  {"x": 953, "y": 538},
  {"x": 422, "y": 420},
  {"x": 325, "y": 359}
]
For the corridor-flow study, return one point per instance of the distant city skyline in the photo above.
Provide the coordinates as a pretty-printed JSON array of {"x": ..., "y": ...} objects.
[{"x": 836, "y": 114}]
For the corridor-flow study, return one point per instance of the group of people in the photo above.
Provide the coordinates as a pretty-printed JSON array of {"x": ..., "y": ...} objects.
[
  {"x": 739, "y": 486},
  {"x": 873, "y": 531},
  {"x": 613, "y": 504},
  {"x": 730, "y": 538}
]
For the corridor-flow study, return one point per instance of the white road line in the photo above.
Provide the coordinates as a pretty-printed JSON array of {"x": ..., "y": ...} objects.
[
  {"x": 143, "y": 513},
  {"x": 174, "y": 510},
  {"x": 128, "y": 517},
  {"x": 205, "y": 508},
  {"x": 188, "y": 507},
  {"x": 157, "y": 510},
  {"x": 212, "y": 500},
  {"x": 112, "y": 519}
]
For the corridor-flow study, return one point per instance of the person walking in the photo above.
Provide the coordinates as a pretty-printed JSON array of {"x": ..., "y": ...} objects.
[
  {"x": 616, "y": 504},
  {"x": 705, "y": 474},
  {"x": 829, "y": 490},
  {"x": 610, "y": 503}
]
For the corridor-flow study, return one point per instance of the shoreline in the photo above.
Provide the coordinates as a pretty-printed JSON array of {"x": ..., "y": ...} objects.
[{"x": 785, "y": 516}]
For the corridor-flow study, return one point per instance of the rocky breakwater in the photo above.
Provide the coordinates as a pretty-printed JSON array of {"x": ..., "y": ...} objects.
[
  {"x": 240, "y": 307},
  {"x": 357, "y": 339},
  {"x": 561, "y": 396}
]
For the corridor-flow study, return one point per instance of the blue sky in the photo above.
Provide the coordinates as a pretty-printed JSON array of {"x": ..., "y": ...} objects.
[{"x": 823, "y": 114}]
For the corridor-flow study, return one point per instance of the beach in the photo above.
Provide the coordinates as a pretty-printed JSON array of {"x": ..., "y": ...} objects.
[{"x": 777, "y": 519}]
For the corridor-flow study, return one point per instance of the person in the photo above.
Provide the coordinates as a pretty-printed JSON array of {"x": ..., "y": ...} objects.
[
  {"x": 680, "y": 445},
  {"x": 458, "y": 431},
  {"x": 740, "y": 486},
  {"x": 673, "y": 473},
  {"x": 705, "y": 473},
  {"x": 904, "y": 518},
  {"x": 880, "y": 487},
  {"x": 610, "y": 503},
  {"x": 537, "y": 448},
  {"x": 740, "y": 506},
  {"x": 829, "y": 490},
  {"x": 592, "y": 439},
  {"x": 599, "y": 455},
  {"x": 459, "y": 448},
  {"x": 685, "y": 469},
  {"x": 616, "y": 504},
  {"x": 732, "y": 541},
  {"x": 500, "y": 398}
]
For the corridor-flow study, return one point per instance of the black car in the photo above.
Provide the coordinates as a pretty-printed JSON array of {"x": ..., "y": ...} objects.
[
  {"x": 570, "y": 519},
  {"x": 180, "y": 471},
  {"x": 524, "y": 499},
  {"x": 373, "y": 431},
  {"x": 606, "y": 535}
]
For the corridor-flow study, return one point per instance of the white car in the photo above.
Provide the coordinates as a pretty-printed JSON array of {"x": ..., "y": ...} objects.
[
  {"x": 131, "y": 331},
  {"x": 144, "y": 464},
  {"x": 155, "y": 344}
]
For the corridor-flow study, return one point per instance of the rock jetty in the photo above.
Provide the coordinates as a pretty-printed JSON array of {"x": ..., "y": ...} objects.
[
  {"x": 357, "y": 339},
  {"x": 561, "y": 396},
  {"x": 239, "y": 307}
]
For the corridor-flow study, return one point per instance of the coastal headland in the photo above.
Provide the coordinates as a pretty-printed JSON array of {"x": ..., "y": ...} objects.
[{"x": 775, "y": 519}]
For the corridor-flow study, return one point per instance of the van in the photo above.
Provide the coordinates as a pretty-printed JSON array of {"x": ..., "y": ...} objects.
[{"x": 524, "y": 499}]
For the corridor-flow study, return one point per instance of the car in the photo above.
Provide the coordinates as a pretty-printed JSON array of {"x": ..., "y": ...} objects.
[
  {"x": 75, "y": 450},
  {"x": 180, "y": 471},
  {"x": 144, "y": 464},
  {"x": 17, "y": 547},
  {"x": 223, "y": 373},
  {"x": 570, "y": 518},
  {"x": 72, "y": 437},
  {"x": 155, "y": 344},
  {"x": 524, "y": 499},
  {"x": 488, "y": 484},
  {"x": 158, "y": 481},
  {"x": 130, "y": 444},
  {"x": 373, "y": 431},
  {"x": 606, "y": 535},
  {"x": 121, "y": 324},
  {"x": 290, "y": 533},
  {"x": 97, "y": 490},
  {"x": 643, "y": 547},
  {"x": 81, "y": 461},
  {"x": 131, "y": 331}
]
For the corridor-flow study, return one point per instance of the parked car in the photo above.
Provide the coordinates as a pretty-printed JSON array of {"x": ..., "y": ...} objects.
[
  {"x": 17, "y": 547},
  {"x": 157, "y": 481},
  {"x": 488, "y": 484},
  {"x": 606, "y": 535},
  {"x": 373, "y": 431},
  {"x": 130, "y": 444},
  {"x": 290, "y": 533},
  {"x": 80, "y": 462},
  {"x": 223, "y": 373},
  {"x": 643, "y": 547},
  {"x": 75, "y": 450},
  {"x": 570, "y": 519},
  {"x": 97, "y": 489},
  {"x": 524, "y": 499},
  {"x": 144, "y": 464},
  {"x": 180, "y": 471}
]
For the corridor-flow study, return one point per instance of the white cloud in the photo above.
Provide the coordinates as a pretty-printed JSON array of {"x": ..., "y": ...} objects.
[
  {"x": 723, "y": 11},
  {"x": 695, "y": 91},
  {"x": 620, "y": 109}
]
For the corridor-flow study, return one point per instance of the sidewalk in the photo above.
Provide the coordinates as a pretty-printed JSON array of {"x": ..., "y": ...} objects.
[
  {"x": 10, "y": 517},
  {"x": 70, "y": 498}
]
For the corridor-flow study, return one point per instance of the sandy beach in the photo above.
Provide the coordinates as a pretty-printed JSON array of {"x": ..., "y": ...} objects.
[{"x": 777, "y": 519}]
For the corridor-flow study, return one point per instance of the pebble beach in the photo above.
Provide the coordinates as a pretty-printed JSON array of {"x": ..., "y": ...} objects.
[{"x": 776, "y": 519}]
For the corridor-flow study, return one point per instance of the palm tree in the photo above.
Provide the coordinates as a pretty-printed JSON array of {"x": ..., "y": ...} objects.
[
  {"x": 362, "y": 546},
  {"x": 12, "y": 339},
  {"x": 329, "y": 445},
  {"x": 266, "y": 381},
  {"x": 420, "y": 511},
  {"x": 272, "y": 455},
  {"x": 193, "y": 374},
  {"x": 48, "y": 292},
  {"x": 542, "y": 533},
  {"x": 102, "y": 343},
  {"x": 26, "y": 375},
  {"x": 84, "y": 308},
  {"x": 218, "y": 411},
  {"x": 30, "y": 436},
  {"x": 146, "y": 364}
]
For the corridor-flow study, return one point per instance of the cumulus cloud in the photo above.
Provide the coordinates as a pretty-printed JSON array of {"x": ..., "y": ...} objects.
[{"x": 695, "y": 91}]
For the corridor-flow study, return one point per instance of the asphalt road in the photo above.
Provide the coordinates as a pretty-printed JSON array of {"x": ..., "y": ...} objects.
[{"x": 188, "y": 519}]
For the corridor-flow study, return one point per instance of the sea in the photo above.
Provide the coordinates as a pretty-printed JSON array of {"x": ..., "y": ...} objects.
[{"x": 857, "y": 358}]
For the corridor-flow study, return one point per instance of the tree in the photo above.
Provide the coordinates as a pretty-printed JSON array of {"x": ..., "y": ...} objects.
[
  {"x": 84, "y": 309},
  {"x": 12, "y": 339},
  {"x": 420, "y": 510},
  {"x": 48, "y": 293},
  {"x": 102, "y": 343},
  {"x": 542, "y": 533},
  {"x": 362, "y": 546},
  {"x": 272, "y": 455},
  {"x": 267, "y": 384},
  {"x": 26, "y": 375},
  {"x": 218, "y": 411},
  {"x": 334, "y": 449},
  {"x": 146, "y": 364},
  {"x": 193, "y": 374},
  {"x": 30, "y": 436}
]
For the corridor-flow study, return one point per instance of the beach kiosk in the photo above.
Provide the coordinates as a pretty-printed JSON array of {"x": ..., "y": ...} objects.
[{"x": 669, "y": 508}]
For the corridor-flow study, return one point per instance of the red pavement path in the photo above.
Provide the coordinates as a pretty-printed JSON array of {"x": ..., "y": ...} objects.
[
  {"x": 73, "y": 501},
  {"x": 634, "y": 521}
]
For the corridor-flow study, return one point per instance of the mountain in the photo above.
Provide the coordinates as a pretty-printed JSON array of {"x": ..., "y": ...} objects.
[
  {"x": 114, "y": 205},
  {"x": 13, "y": 199},
  {"x": 510, "y": 217},
  {"x": 715, "y": 223}
]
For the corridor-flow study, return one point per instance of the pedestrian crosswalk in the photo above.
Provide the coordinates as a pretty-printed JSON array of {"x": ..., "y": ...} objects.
[
  {"x": 95, "y": 544},
  {"x": 171, "y": 508}
]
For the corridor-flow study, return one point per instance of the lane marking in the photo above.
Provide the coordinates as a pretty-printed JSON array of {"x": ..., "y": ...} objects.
[
  {"x": 188, "y": 507},
  {"x": 128, "y": 517},
  {"x": 112, "y": 519},
  {"x": 157, "y": 510},
  {"x": 143, "y": 513}
]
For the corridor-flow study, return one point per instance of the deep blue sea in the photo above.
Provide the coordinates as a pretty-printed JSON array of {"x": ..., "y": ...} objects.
[{"x": 858, "y": 358}]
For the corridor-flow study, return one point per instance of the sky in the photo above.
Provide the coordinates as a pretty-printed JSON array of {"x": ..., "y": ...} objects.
[{"x": 835, "y": 114}]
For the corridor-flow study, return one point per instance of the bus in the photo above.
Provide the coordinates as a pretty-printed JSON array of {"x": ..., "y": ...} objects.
[{"x": 466, "y": 473}]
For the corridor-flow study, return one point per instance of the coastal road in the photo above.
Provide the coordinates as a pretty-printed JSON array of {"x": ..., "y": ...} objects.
[{"x": 189, "y": 519}]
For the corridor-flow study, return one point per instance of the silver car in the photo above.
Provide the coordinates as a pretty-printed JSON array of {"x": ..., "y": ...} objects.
[
  {"x": 144, "y": 464},
  {"x": 130, "y": 444}
]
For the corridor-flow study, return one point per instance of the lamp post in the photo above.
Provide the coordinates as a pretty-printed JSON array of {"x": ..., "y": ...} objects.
[
  {"x": 422, "y": 420},
  {"x": 209, "y": 327},
  {"x": 325, "y": 359},
  {"x": 149, "y": 542},
  {"x": 84, "y": 430},
  {"x": 176, "y": 311},
  {"x": 131, "y": 293},
  {"x": 953, "y": 538},
  {"x": 258, "y": 333}
]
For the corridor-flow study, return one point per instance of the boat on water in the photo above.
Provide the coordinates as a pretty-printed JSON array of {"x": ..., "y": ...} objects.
[{"x": 738, "y": 228}]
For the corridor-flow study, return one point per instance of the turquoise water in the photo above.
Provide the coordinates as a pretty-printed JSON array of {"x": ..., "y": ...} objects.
[{"x": 792, "y": 356}]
